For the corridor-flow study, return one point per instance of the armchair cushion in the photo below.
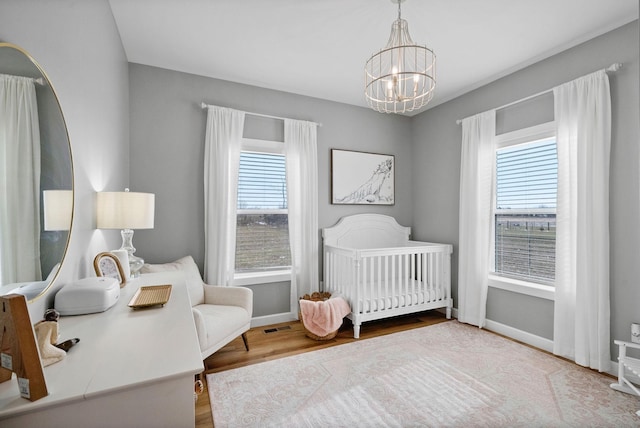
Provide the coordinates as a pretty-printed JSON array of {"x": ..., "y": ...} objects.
[
  {"x": 192, "y": 276},
  {"x": 221, "y": 324}
]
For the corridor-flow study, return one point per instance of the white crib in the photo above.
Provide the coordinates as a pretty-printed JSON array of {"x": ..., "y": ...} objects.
[{"x": 370, "y": 261}]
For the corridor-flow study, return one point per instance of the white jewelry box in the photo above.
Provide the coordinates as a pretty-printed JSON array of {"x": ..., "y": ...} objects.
[{"x": 87, "y": 296}]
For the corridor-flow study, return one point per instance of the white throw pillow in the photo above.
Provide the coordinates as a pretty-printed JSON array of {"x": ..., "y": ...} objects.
[{"x": 192, "y": 274}]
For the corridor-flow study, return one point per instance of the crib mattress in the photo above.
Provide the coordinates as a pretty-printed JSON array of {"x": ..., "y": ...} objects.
[{"x": 375, "y": 299}]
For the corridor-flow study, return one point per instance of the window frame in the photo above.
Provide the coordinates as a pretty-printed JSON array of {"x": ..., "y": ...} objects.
[
  {"x": 508, "y": 139},
  {"x": 271, "y": 275}
]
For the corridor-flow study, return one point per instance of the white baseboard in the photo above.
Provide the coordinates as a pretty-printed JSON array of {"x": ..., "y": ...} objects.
[
  {"x": 519, "y": 335},
  {"x": 538, "y": 342},
  {"x": 272, "y": 319}
]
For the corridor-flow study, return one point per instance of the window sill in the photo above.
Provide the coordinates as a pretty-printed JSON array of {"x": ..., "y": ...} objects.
[
  {"x": 266, "y": 277},
  {"x": 517, "y": 286}
]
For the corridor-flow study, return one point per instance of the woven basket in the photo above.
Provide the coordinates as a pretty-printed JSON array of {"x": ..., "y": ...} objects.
[{"x": 316, "y": 297}]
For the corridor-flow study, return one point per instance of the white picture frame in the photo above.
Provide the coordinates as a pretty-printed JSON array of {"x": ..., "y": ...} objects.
[{"x": 362, "y": 178}]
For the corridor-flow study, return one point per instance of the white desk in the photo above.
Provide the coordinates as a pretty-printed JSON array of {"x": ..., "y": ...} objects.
[{"x": 132, "y": 368}]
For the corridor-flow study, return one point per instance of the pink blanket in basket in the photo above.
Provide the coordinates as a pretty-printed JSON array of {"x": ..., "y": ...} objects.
[{"x": 322, "y": 318}]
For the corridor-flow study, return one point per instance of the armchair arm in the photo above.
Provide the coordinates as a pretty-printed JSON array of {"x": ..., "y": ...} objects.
[
  {"x": 230, "y": 296},
  {"x": 201, "y": 330}
]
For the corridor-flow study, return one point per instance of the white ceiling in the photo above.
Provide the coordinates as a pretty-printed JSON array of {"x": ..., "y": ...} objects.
[{"x": 319, "y": 47}]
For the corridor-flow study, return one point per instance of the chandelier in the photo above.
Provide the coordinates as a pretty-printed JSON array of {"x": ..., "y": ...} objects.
[{"x": 401, "y": 77}]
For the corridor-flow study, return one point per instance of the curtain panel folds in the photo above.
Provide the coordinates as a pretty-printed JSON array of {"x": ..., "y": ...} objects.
[
  {"x": 223, "y": 141},
  {"x": 20, "y": 167},
  {"x": 582, "y": 312},
  {"x": 301, "y": 151},
  {"x": 476, "y": 227}
]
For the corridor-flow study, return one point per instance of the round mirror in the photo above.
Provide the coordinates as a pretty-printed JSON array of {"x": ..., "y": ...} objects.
[{"x": 36, "y": 175}]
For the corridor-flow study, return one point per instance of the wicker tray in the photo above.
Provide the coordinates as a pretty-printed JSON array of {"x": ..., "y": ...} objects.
[
  {"x": 150, "y": 295},
  {"x": 316, "y": 297}
]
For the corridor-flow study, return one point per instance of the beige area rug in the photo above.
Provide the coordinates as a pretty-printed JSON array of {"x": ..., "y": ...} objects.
[{"x": 445, "y": 375}]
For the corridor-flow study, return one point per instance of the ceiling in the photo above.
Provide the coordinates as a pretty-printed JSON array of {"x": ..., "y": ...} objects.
[{"x": 318, "y": 48}]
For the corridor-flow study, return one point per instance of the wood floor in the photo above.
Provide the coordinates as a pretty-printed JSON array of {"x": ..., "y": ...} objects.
[{"x": 282, "y": 340}]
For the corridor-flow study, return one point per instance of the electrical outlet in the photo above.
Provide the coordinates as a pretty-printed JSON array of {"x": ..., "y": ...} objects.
[{"x": 635, "y": 333}]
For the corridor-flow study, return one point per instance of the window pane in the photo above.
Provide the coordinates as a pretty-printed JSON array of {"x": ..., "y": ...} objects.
[
  {"x": 526, "y": 246},
  {"x": 525, "y": 220},
  {"x": 262, "y": 181},
  {"x": 527, "y": 176},
  {"x": 262, "y": 242}
]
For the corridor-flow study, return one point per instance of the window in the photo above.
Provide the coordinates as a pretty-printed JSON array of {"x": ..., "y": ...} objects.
[
  {"x": 262, "y": 234},
  {"x": 525, "y": 210}
]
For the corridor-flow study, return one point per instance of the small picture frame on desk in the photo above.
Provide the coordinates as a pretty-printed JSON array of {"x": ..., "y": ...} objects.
[{"x": 108, "y": 265}]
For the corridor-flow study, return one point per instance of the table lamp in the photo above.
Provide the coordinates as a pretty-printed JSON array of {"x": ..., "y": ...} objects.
[
  {"x": 58, "y": 209},
  {"x": 126, "y": 211}
]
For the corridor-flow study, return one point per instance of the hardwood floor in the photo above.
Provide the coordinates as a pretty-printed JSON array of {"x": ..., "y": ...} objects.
[{"x": 282, "y": 340}]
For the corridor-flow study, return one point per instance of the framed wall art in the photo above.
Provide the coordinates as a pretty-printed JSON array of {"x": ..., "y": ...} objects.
[{"x": 361, "y": 178}]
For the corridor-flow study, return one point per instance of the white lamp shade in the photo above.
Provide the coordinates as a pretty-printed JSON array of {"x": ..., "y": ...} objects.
[
  {"x": 58, "y": 208},
  {"x": 125, "y": 210}
]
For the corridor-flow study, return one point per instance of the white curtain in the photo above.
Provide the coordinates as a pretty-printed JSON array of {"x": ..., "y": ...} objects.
[
  {"x": 20, "y": 168},
  {"x": 301, "y": 151},
  {"x": 223, "y": 140},
  {"x": 476, "y": 225},
  {"x": 581, "y": 315}
]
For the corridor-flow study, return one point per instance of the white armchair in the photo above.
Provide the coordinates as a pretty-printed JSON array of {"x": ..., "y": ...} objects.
[{"x": 220, "y": 313}]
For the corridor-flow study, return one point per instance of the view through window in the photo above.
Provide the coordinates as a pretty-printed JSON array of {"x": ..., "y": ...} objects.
[
  {"x": 525, "y": 211},
  {"x": 262, "y": 235}
]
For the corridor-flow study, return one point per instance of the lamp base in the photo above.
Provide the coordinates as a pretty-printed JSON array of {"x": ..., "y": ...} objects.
[{"x": 135, "y": 264}]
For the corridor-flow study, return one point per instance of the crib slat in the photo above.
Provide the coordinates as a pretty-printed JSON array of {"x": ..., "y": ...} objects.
[
  {"x": 381, "y": 300},
  {"x": 364, "y": 280},
  {"x": 421, "y": 296},
  {"x": 412, "y": 277},
  {"x": 430, "y": 281},
  {"x": 385, "y": 276},
  {"x": 438, "y": 273},
  {"x": 407, "y": 273}
]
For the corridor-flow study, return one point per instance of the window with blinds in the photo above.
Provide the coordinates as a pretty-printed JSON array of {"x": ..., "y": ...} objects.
[
  {"x": 525, "y": 211},
  {"x": 262, "y": 234}
]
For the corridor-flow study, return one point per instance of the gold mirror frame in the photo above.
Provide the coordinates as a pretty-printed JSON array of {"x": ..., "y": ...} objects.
[{"x": 59, "y": 130}]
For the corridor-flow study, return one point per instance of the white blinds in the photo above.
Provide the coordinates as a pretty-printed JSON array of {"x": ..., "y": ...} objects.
[
  {"x": 262, "y": 181},
  {"x": 525, "y": 220},
  {"x": 527, "y": 176}
]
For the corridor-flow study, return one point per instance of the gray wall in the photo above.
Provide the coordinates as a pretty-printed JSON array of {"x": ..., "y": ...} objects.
[
  {"x": 78, "y": 45},
  {"x": 167, "y": 149},
  {"x": 436, "y": 167}
]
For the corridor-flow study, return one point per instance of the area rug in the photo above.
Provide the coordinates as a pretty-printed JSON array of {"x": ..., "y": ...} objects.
[{"x": 445, "y": 375}]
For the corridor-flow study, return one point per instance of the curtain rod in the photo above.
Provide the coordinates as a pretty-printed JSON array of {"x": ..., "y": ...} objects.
[
  {"x": 613, "y": 68},
  {"x": 203, "y": 105},
  {"x": 39, "y": 80}
]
